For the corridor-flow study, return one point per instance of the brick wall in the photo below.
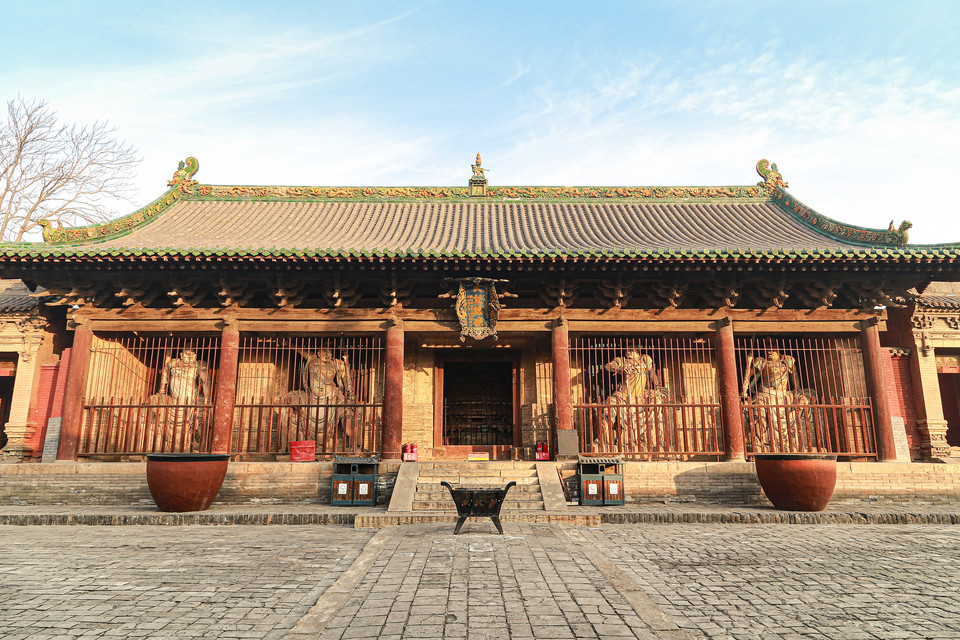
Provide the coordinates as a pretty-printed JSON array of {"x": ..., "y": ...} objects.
[
  {"x": 731, "y": 483},
  {"x": 418, "y": 398},
  {"x": 125, "y": 483},
  {"x": 735, "y": 483},
  {"x": 903, "y": 400}
]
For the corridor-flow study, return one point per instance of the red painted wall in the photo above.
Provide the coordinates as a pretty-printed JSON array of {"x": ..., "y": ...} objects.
[{"x": 902, "y": 398}]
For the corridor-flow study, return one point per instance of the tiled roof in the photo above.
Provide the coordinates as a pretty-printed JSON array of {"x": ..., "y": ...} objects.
[
  {"x": 475, "y": 227},
  {"x": 938, "y": 302},
  {"x": 15, "y": 297},
  {"x": 940, "y": 295},
  {"x": 759, "y": 221}
]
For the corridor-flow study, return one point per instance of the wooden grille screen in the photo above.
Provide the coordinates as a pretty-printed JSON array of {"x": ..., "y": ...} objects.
[
  {"x": 325, "y": 389},
  {"x": 149, "y": 394},
  {"x": 804, "y": 394},
  {"x": 646, "y": 396}
]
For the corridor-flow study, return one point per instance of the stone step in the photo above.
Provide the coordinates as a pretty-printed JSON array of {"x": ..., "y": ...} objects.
[
  {"x": 477, "y": 465},
  {"x": 478, "y": 473},
  {"x": 508, "y": 505},
  {"x": 519, "y": 490},
  {"x": 444, "y": 495},
  {"x": 493, "y": 482}
]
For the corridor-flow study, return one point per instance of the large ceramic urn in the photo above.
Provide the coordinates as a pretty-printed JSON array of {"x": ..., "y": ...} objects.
[
  {"x": 185, "y": 481},
  {"x": 797, "y": 481}
]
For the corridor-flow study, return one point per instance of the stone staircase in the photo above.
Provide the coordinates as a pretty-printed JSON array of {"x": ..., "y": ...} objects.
[{"x": 431, "y": 496}]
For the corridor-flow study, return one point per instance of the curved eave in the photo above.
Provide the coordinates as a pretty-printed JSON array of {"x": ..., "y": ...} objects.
[
  {"x": 847, "y": 233},
  {"x": 96, "y": 233},
  {"x": 20, "y": 256}
]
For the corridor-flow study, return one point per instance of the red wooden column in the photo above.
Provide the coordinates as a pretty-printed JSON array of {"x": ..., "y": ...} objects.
[
  {"x": 393, "y": 393},
  {"x": 566, "y": 436},
  {"x": 877, "y": 388},
  {"x": 226, "y": 387},
  {"x": 733, "y": 446},
  {"x": 77, "y": 372}
]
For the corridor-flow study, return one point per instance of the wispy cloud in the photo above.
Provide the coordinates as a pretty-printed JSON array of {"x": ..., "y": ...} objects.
[
  {"x": 836, "y": 131},
  {"x": 388, "y": 101}
]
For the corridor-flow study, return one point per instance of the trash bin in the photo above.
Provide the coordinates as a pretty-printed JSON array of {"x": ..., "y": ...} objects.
[
  {"x": 601, "y": 480},
  {"x": 354, "y": 481}
]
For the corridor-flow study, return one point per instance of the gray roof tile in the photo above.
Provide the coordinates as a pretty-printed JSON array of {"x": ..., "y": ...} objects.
[{"x": 475, "y": 227}]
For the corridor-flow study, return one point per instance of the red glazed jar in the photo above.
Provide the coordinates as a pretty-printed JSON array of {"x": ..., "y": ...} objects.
[
  {"x": 797, "y": 481},
  {"x": 185, "y": 481}
]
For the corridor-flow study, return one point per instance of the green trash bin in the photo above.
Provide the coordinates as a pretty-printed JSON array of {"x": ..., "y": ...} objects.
[
  {"x": 354, "y": 481},
  {"x": 601, "y": 480}
]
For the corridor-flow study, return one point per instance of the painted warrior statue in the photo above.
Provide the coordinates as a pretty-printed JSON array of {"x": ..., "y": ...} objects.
[
  {"x": 772, "y": 381},
  {"x": 183, "y": 381},
  {"x": 185, "y": 377},
  {"x": 319, "y": 411},
  {"x": 640, "y": 386}
]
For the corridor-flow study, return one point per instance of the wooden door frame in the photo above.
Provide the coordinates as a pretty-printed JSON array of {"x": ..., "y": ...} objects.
[{"x": 513, "y": 356}]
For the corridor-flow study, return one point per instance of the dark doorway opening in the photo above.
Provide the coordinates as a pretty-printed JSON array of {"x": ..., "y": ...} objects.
[
  {"x": 950, "y": 401},
  {"x": 478, "y": 401},
  {"x": 6, "y": 399}
]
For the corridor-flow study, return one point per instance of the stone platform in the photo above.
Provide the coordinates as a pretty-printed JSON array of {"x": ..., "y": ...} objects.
[{"x": 838, "y": 512}]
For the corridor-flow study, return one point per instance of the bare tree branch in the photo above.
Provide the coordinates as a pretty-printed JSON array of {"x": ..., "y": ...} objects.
[{"x": 64, "y": 173}]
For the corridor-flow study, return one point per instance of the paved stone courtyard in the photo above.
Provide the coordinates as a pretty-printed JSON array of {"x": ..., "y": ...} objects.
[{"x": 537, "y": 581}]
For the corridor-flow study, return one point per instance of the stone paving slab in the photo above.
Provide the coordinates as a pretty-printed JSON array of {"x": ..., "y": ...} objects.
[
  {"x": 170, "y": 582},
  {"x": 537, "y": 581},
  {"x": 753, "y": 583},
  {"x": 530, "y": 583}
]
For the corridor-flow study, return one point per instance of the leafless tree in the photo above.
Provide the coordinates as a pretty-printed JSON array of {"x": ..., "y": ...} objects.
[{"x": 50, "y": 170}]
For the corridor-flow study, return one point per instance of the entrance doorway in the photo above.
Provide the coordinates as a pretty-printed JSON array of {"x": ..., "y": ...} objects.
[
  {"x": 477, "y": 407},
  {"x": 950, "y": 401}
]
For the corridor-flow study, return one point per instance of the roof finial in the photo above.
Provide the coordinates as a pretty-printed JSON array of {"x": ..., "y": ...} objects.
[
  {"x": 771, "y": 177},
  {"x": 478, "y": 183},
  {"x": 185, "y": 171}
]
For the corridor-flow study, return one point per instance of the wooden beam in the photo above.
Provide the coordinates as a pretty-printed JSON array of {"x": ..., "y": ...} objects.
[
  {"x": 797, "y": 326},
  {"x": 661, "y": 326},
  {"x": 155, "y": 325},
  {"x": 185, "y": 312}
]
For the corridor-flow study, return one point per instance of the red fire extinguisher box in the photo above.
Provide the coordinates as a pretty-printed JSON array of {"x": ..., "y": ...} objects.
[
  {"x": 543, "y": 452},
  {"x": 409, "y": 453}
]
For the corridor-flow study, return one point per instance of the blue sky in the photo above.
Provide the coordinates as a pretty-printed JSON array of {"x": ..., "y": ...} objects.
[{"x": 857, "y": 102}]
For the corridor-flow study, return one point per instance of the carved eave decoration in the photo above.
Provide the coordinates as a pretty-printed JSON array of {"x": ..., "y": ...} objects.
[
  {"x": 340, "y": 292},
  {"x": 396, "y": 292},
  {"x": 941, "y": 322},
  {"x": 719, "y": 294},
  {"x": 561, "y": 293},
  {"x": 614, "y": 294}
]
